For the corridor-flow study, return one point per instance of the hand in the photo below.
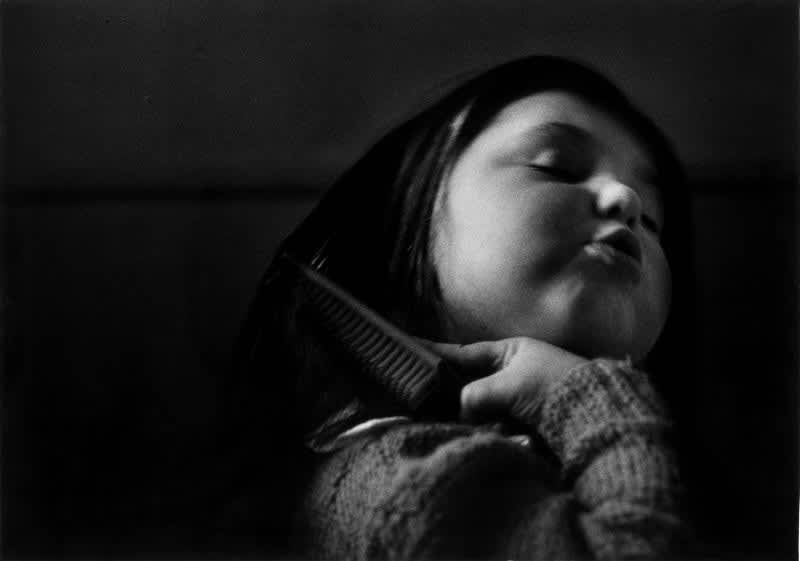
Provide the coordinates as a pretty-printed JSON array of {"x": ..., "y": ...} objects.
[{"x": 513, "y": 376}]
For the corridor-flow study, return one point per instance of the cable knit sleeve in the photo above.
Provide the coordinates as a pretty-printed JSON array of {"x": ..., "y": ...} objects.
[
  {"x": 433, "y": 491},
  {"x": 608, "y": 428}
]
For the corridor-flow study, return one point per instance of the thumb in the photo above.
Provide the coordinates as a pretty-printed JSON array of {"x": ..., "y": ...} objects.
[{"x": 482, "y": 400}]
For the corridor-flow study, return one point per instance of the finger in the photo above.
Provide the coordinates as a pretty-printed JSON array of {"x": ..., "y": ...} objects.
[
  {"x": 484, "y": 355},
  {"x": 485, "y": 399},
  {"x": 514, "y": 392}
]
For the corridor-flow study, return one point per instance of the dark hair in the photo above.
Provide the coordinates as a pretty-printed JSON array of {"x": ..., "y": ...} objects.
[{"x": 372, "y": 230}]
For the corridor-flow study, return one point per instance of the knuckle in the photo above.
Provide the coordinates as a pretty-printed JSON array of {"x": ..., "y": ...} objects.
[{"x": 482, "y": 395}]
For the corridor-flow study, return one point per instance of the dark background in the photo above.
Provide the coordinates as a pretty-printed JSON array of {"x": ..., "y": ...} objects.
[{"x": 155, "y": 152}]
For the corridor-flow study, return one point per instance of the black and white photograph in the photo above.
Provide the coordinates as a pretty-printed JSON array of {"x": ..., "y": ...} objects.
[{"x": 405, "y": 280}]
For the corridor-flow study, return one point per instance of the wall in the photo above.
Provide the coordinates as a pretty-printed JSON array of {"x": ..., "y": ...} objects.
[{"x": 156, "y": 152}]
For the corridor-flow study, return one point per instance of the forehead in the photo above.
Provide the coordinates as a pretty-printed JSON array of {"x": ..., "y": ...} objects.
[{"x": 524, "y": 115}]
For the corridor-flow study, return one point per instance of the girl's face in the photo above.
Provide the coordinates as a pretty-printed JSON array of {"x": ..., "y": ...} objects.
[{"x": 548, "y": 227}]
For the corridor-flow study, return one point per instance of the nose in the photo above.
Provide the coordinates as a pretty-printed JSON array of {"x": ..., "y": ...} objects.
[{"x": 617, "y": 201}]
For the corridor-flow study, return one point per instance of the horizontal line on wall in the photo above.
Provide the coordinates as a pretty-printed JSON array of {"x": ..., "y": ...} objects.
[
  {"x": 35, "y": 196},
  {"x": 72, "y": 195}
]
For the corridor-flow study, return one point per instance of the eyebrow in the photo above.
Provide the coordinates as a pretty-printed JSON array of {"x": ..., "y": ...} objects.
[{"x": 556, "y": 129}]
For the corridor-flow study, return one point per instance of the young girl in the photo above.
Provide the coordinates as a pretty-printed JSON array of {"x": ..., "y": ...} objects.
[{"x": 524, "y": 228}]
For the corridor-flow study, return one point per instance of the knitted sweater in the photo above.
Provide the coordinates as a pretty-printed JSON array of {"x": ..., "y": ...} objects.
[{"x": 604, "y": 484}]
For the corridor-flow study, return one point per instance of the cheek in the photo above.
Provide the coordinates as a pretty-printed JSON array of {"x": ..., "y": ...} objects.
[
  {"x": 494, "y": 258},
  {"x": 477, "y": 252},
  {"x": 478, "y": 235},
  {"x": 510, "y": 224}
]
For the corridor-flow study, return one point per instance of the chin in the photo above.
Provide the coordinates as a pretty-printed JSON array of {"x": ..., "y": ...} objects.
[
  {"x": 601, "y": 332},
  {"x": 610, "y": 341},
  {"x": 612, "y": 325}
]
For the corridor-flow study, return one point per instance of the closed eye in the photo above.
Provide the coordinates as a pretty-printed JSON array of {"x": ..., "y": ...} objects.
[
  {"x": 560, "y": 173},
  {"x": 562, "y": 158}
]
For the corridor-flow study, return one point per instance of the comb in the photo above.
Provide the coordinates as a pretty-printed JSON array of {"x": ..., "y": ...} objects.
[{"x": 410, "y": 372}]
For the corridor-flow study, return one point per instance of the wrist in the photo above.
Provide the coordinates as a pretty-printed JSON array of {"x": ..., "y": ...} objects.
[{"x": 596, "y": 402}]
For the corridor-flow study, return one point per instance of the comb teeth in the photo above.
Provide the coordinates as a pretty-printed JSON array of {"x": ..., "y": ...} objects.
[
  {"x": 409, "y": 372},
  {"x": 377, "y": 352}
]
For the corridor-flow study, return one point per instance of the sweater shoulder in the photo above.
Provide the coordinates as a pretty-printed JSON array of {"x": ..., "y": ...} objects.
[{"x": 413, "y": 488}]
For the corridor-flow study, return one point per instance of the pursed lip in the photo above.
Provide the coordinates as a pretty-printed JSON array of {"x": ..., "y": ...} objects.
[{"x": 622, "y": 240}]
